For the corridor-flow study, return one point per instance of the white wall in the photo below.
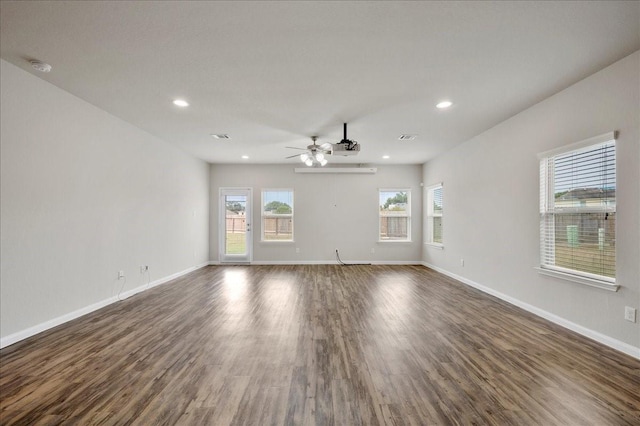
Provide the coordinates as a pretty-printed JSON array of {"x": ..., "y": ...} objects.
[
  {"x": 331, "y": 211},
  {"x": 491, "y": 203},
  {"x": 84, "y": 195}
]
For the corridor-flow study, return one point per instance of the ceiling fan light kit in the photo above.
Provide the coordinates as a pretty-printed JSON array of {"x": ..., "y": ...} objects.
[{"x": 315, "y": 153}]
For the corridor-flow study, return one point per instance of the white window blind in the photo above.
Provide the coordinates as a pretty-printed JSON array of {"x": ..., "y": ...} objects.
[
  {"x": 435, "y": 211},
  {"x": 578, "y": 209}
]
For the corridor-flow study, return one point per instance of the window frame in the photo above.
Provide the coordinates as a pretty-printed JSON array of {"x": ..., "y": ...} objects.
[
  {"x": 407, "y": 215},
  {"x": 547, "y": 210},
  {"x": 264, "y": 216},
  {"x": 430, "y": 214}
]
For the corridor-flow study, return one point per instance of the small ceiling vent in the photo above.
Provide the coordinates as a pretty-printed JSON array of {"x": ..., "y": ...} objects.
[
  {"x": 407, "y": 137},
  {"x": 220, "y": 136}
]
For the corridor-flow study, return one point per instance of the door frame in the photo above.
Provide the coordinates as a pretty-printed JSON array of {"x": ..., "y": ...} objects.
[{"x": 222, "y": 224}]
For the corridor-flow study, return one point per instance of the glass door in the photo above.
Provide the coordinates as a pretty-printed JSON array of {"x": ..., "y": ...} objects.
[{"x": 235, "y": 225}]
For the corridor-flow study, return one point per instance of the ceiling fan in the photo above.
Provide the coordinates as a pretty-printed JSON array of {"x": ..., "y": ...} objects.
[{"x": 315, "y": 154}]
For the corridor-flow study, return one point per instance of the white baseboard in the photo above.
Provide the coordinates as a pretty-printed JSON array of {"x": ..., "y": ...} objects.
[
  {"x": 332, "y": 262},
  {"x": 160, "y": 281},
  {"x": 591, "y": 334},
  {"x": 39, "y": 328},
  {"x": 293, "y": 262}
]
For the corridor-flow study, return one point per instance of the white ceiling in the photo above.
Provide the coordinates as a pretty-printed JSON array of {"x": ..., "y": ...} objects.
[{"x": 272, "y": 74}]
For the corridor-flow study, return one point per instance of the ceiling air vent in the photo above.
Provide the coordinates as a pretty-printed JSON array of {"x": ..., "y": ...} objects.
[
  {"x": 220, "y": 136},
  {"x": 407, "y": 137}
]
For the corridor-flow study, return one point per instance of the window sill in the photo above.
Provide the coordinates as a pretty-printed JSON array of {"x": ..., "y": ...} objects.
[
  {"x": 435, "y": 246},
  {"x": 394, "y": 241},
  {"x": 578, "y": 279},
  {"x": 277, "y": 241}
]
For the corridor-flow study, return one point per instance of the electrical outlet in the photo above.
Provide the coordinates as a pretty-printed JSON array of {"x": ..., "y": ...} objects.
[
  {"x": 144, "y": 269},
  {"x": 120, "y": 275},
  {"x": 630, "y": 313}
]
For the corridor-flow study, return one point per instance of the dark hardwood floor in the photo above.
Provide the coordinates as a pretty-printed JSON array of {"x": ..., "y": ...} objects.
[{"x": 316, "y": 344}]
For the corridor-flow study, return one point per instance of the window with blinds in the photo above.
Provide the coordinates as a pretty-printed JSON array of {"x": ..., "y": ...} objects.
[
  {"x": 435, "y": 212},
  {"x": 578, "y": 209}
]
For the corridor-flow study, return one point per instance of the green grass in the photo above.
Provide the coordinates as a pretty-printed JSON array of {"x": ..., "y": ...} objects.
[
  {"x": 587, "y": 258},
  {"x": 278, "y": 237},
  {"x": 236, "y": 243}
]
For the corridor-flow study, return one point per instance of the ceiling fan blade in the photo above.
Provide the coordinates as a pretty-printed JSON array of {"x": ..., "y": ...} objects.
[
  {"x": 293, "y": 147},
  {"x": 326, "y": 146},
  {"x": 292, "y": 156}
]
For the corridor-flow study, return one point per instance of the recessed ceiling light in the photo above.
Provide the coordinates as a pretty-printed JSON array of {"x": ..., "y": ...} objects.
[
  {"x": 245, "y": 157},
  {"x": 220, "y": 136},
  {"x": 385, "y": 157},
  {"x": 444, "y": 104},
  {"x": 40, "y": 66},
  {"x": 181, "y": 103}
]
